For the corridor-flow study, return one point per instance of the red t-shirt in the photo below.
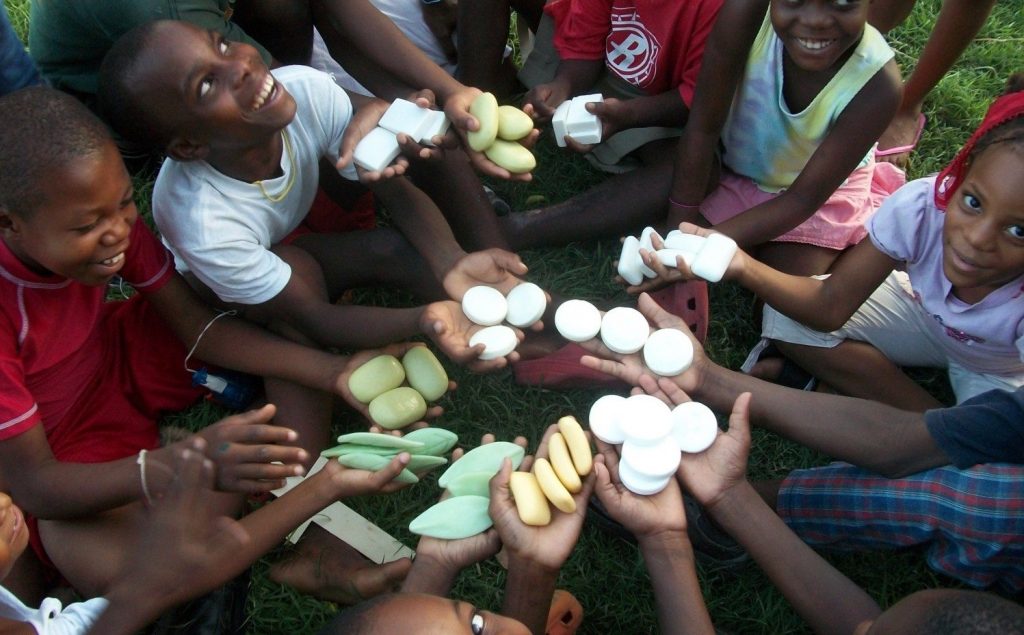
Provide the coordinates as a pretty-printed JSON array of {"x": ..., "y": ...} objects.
[
  {"x": 652, "y": 44},
  {"x": 51, "y": 346}
]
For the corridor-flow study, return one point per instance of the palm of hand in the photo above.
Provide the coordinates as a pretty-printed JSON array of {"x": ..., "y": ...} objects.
[
  {"x": 475, "y": 269},
  {"x": 711, "y": 473}
]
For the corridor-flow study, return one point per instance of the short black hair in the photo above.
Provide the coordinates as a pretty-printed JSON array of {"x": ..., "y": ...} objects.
[
  {"x": 42, "y": 129},
  {"x": 974, "y": 613},
  {"x": 117, "y": 101},
  {"x": 356, "y": 620}
]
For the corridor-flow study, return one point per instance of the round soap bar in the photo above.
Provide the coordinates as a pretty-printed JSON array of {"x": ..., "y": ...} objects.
[
  {"x": 376, "y": 377},
  {"x": 654, "y": 461},
  {"x": 398, "y": 408},
  {"x": 646, "y": 419},
  {"x": 631, "y": 266},
  {"x": 485, "y": 305},
  {"x": 425, "y": 373},
  {"x": 577, "y": 320},
  {"x": 604, "y": 419},
  {"x": 668, "y": 352},
  {"x": 498, "y": 341},
  {"x": 694, "y": 427},
  {"x": 690, "y": 243},
  {"x": 624, "y": 330},
  {"x": 638, "y": 483},
  {"x": 526, "y": 304}
]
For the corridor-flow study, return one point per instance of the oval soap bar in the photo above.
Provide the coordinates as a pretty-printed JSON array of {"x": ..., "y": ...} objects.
[
  {"x": 484, "y": 305},
  {"x": 398, "y": 408},
  {"x": 454, "y": 518},
  {"x": 513, "y": 124},
  {"x": 577, "y": 320},
  {"x": 512, "y": 156},
  {"x": 436, "y": 441},
  {"x": 624, "y": 330},
  {"x": 485, "y": 109},
  {"x": 668, "y": 352},
  {"x": 374, "y": 463},
  {"x": 498, "y": 341},
  {"x": 531, "y": 503},
  {"x": 425, "y": 373},
  {"x": 471, "y": 484},
  {"x": 526, "y": 304},
  {"x": 376, "y": 377}
]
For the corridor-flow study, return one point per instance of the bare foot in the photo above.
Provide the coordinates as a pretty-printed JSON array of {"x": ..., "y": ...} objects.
[
  {"x": 901, "y": 132},
  {"x": 329, "y": 569}
]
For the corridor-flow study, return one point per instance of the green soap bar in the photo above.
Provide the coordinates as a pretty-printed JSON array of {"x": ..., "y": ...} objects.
[
  {"x": 398, "y": 408},
  {"x": 436, "y": 441},
  {"x": 381, "y": 440},
  {"x": 425, "y": 373},
  {"x": 374, "y": 463},
  {"x": 424, "y": 462},
  {"x": 375, "y": 377},
  {"x": 471, "y": 484},
  {"x": 513, "y": 124},
  {"x": 454, "y": 518},
  {"x": 358, "y": 448},
  {"x": 483, "y": 459}
]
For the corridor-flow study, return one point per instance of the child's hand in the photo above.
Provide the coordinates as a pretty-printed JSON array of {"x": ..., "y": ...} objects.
[
  {"x": 681, "y": 271},
  {"x": 643, "y": 516},
  {"x": 346, "y": 482},
  {"x": 245, "y": 449},
  {"x": 456, "y": 107},
  {"x": 363, "y": 121},
  {"x": 491, "y": 267},
  {"x": 449, "y": 328},
  {"x": 358, "y": 359},
  {"x": 615, "y": 116},
  {"x": 547, "y": 547},
  {"x": 542, "y": 100}
]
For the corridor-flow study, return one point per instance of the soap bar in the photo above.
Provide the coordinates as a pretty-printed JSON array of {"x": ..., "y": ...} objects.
[
  {"x": 476, "y": 483},
  {"x": 530, "y": 501},
  {"x": 690, "y": 243},
  {"x": 405, "y": 117},
  {"x": 484, "y": 305},
  {"x": 397, "y": 408},
  {"x": 558, "y": 122},
  {"x": 552, "y": 487},
  {"x": 512, "y": 156},
  {"x": 436, "y": 441},
  {"x": 375, "y": 463},
  {"x": 425, "y": 373},
  {"x": 485, "y": 109},
  {"x": 485, "y": 458},
  {"x": 561, "y": 462},
  {"x": 498, "y": 341},
  {"x": 694, "y": 426},
  {"x": 384, "y": 441},
  {"x": 376, "y": 377},
  {"x": 583, "y": 126},
  {"x": 668, "y": 352},
  {"x": 647, "y": 243},
  {"x": 526, "y": 304},
  {"x": 454, "y": 518},
  {"x": 604, "y": 419},
  {"x": 376, "y": 150},
  {"x": 638, "y": 483},
  {"x": 436, "y": 125},
  {"x": 714, "y": 257},
  {"x": 654, "y": 461},
  {"x": 577, "y": 320},
  {"x": 513, "y": 124},
  {"x": 631, "y": 267},
  {"x": 646, "y": 419},
  {"x": 624, "y": 330},
  {"x": 668, "y": 257}
]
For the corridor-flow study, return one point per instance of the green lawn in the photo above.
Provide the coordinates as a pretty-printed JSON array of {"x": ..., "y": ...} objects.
[{"x": 606, "y": 574}]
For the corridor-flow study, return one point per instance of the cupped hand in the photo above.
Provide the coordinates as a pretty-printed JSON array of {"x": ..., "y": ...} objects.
[
  {"x": 449, "y": 328},
  {"x": 643, "y": 516},
  {"x": 363, "y": 121},
  {"x": 711, "y": 474},
  {"x": 456, "y": 107},
  {"x": 356, "y": 360},
  {"x": 490, "y": 267},
  {"x": 542, "y": 100},
  {"x": 347, "y": 482}
]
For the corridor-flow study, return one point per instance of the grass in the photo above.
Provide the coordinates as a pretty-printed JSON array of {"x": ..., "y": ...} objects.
[{"x": 606, "y": 574}]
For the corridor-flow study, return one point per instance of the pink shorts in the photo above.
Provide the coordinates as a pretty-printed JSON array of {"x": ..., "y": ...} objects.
[{"x": 837, "y": 225}]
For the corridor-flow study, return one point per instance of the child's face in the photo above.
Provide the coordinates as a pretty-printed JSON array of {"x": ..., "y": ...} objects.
[
  {"x": 210, "y": 90},
  {"x": 817, "y": 33},
  {"x": 983, "y": 232},
  {"x": 13, "y": 534},
  {"x": 427, "y": 614},
  {"x": 80, "y": 230}
]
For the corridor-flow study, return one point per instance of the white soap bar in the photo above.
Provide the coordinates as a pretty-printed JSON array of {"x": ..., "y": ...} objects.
[
  {"x": 630, "y": 265},
  {"x": 581, "y": 125},
  {"x": 714, "y": 257},
  {"x": 436, "y": 125},
  {"x": 376, "y": 150},
  {"x": 405, "y": 117},
  {"x": 684, "y": 242},
  {"x": 499, "y": 341},
  {"x": 624, "y": 330},
  {"x": 577, "y": 320},
  {"x": 647, "y": 243},
  {"x": 694, "y": 427},
  {"x": 668, "y": 352},
  {"x": 654, "y": 461},
  {"x": 638, "y": 483},
  {"x": 485, "y": 305},
  {"x": 646, "y": 419},
  {"x": 558, "y": 122},
  {"x": 604, "y": 419},
  {"x": 668, "y": 257},
  {"x": 526, "y": 304}
]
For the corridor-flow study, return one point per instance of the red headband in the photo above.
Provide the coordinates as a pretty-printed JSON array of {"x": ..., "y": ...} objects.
[{"x": 1002, "y": 110}]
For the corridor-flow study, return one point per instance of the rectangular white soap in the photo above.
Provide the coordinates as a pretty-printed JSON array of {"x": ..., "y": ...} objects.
[
  {"x": 714, "y": 257},
  {"x": 377, "y": 150},
  {"x": 436, "y": 124},
  {"x": 405, "y": 117},
  {"x": 580, "y": 124},
  {"x": 558, "y": 122}
]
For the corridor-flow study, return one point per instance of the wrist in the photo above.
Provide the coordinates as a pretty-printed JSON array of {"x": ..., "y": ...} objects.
[
  {"x": 430, "y": 574},
  {"x": 530, "y": 565},
  {"x": 670, "y": 545}
]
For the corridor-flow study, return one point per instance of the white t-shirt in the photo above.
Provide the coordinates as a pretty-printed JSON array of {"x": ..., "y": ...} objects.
[
  {"x": 49, "y": 619},
  {"x": 221, "y": 229}
]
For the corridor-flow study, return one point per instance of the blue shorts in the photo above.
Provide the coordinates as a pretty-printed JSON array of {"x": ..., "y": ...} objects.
[
  {"x": 970, "y": 521},
  {"x": 16, "y": 68}
]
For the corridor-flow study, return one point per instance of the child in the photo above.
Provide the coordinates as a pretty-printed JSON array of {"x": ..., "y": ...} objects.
[
  {"x": 797, "y": 117},
  {"x": 958, "y": 304},
  {"x": 84, "y": 380}
]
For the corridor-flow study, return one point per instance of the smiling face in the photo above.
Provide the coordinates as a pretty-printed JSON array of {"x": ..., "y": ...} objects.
[
  {"x": 81, "y": 229},
  {"x": 983, "y": 232},
  {"x": 13, "y": 534},
  {"x": 819, "y": 34},
  {"x": 208, "y": 90}
]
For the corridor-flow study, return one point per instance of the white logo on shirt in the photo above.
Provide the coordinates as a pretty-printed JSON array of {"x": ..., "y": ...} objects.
[{"x": 631, "y": 51}]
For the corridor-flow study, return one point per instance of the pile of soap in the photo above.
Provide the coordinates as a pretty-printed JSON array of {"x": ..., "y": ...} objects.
[
  {"x": 500, "y": 130},
  {"x": 373, "y": 451},
  {"x": 572, "y": 119},
  {"x": 652, "y": 436},
  {"x": 379, "y": 381},
  {"x": 380, "y": 147},
  {"x": 555, "y": 479},
  {"x": 467, "y": 481},
  {"x": 486, "y": 306},
  {"x": 666, "y": 352},
  {"x": 706, "y": 257}
]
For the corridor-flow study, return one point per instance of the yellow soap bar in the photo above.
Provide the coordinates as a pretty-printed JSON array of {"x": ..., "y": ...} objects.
[
  {"x": 579, "y": 446},
  {"x": 561, "y": 462},
  {"x": 530, "y": 501}
]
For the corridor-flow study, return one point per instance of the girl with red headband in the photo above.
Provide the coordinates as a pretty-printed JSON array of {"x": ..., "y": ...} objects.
[{"x": 939, "y": 284}]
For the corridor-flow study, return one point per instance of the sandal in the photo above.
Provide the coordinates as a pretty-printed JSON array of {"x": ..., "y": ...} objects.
[
  {"x": 566, "y": 614},
  {"x": 888, "y": 152},
  {"x": 689, "y": 301},
  {"x": 791, "y": 375}
]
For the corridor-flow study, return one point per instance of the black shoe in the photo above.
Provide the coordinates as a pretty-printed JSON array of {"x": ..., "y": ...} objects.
[{"x": 712, "y": 546}]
